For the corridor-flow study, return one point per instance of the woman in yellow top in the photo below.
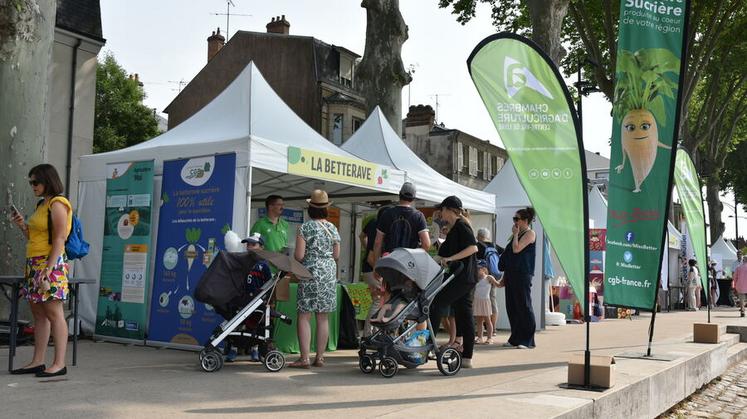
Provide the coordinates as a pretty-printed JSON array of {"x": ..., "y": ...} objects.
[{"x": 46, "y": 284}]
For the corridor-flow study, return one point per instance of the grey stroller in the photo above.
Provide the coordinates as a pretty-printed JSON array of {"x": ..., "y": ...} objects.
[{"x": 413, "y": 279}]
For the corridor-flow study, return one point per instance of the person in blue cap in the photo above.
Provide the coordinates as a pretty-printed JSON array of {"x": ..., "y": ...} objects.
[{"x": 260, "y": 272}]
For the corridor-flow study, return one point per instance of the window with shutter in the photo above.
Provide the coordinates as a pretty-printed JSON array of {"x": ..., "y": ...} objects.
[
  {"x": 460, "y": 157},
  {"x": 488, "y": 167},
  {"x": 472, "y": 161},
  {"x": 499, "y": 163},
  {"x": 481, "y": 164}
]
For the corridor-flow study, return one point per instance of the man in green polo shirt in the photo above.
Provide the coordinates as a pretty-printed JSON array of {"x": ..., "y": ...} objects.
[{"x": 272, "y": 227}]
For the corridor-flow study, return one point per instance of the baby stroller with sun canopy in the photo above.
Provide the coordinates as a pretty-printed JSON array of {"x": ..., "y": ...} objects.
[
  {"x": 413, "y": 280},
  {"x": 248, "y": 316}
]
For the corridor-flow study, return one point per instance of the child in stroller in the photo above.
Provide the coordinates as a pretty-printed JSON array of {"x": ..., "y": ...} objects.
[
  {"x": 257, "y": 276},
  {"x": 413, "y": 279},
  {"x": 224, "y": 286}
]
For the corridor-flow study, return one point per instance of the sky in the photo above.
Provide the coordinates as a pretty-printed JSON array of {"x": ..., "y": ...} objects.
[{"x": 165, "y": 42}]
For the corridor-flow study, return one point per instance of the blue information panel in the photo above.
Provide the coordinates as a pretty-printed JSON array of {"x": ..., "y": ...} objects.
[{"x": 196, "y": 211}]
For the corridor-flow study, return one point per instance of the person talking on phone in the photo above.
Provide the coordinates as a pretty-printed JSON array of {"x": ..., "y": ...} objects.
[
  {"x": 517, "y": 263},
  {"x": 46, "y": 285}
]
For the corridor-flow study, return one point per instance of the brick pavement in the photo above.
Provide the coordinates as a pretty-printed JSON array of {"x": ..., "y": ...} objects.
[{"x": 725, "y": 397}]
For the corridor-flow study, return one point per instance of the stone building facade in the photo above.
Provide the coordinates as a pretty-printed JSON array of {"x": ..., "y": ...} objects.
[
  {"x": 455, "y": 154},
  {"x": 315, "y": 79}
]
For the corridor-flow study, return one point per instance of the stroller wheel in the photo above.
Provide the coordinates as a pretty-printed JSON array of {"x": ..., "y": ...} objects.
[
  {"x": 211, "y": 361},
  {"x": 274, "y": 361},
  {"x": 367, "y": 364},
  {"x": 449, "y": 361},
  {"x": 388, "y": 367}
]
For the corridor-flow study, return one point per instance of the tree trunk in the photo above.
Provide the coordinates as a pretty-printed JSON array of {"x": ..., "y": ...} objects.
[
  {"x": 381, "y": 74},
  {"x": 547, "y": 26},
  {"x": 26, "y": 37},
  {"x": 713, "y": 186}
]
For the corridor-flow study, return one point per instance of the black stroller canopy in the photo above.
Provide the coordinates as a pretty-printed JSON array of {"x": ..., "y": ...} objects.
[{"x": 415, "y": 264}]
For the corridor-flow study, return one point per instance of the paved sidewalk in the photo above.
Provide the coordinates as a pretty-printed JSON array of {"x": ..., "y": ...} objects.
[{"x": 118, "y": 381}]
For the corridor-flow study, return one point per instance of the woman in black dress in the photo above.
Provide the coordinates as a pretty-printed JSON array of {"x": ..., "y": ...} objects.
[
  {"x": 460, "y": 246},
  {"x": 517, "y": 262}
]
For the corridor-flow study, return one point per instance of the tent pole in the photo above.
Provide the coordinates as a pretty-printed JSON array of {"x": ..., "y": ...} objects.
[
  {"x": 248, "y": 198},
  {"x": 354, "y": 254}
]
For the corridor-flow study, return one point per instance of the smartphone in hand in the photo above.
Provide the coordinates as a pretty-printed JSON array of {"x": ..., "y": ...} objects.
[{"x": 14, "y": 211}]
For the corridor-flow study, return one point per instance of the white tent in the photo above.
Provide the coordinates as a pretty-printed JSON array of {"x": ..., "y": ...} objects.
[
  {"x": 376, "y": 141},
  {"x": 731, "y": 246},
  {"x": 597, "y": 208},
  {"x": 247, "y": 118},
  {"x": 511, "y": 197},
  {"x": 721, "y": 252}
]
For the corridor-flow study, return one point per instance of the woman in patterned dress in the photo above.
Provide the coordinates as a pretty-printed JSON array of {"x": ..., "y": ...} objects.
[
  {"x": 317, "y": 247},
  {"x": 46, "y": 286}
]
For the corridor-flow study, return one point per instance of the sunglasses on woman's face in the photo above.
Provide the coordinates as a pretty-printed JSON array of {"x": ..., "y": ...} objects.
[
  {"x": 34, "y": 182},
  {"x": 516, "y": 219}
]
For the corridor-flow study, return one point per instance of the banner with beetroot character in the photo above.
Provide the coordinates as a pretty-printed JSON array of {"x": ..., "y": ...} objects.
[{"x": 644, "y": 128}]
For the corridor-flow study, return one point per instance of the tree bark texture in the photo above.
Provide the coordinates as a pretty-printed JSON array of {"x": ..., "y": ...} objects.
[
  {"x": 547, "y": 26},
  {"x": 713, "y": 186},
  {"x": 381, "y": 73},
  {"x": 26, "y": 38}
]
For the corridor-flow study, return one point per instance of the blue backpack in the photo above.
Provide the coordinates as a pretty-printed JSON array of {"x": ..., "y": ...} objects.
[
  {"x": 492, "y": 259},
  {"x": 75, "y": 246}
]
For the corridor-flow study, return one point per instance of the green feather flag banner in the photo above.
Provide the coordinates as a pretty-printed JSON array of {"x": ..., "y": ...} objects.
[
  {"x": 645, "y": 120},
  {"x": 531, "y": 110},
  {"x": 689, "y": 192}
]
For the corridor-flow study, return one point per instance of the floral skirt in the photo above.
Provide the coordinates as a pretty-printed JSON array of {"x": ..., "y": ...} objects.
[{"x": 35, "y": 291}]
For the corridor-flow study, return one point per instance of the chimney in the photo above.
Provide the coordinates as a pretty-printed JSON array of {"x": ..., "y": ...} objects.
[
  {"x": 420, "y": 115},
  {"x": 279, "y": 25},
  {"x": 215, "y": 43}
]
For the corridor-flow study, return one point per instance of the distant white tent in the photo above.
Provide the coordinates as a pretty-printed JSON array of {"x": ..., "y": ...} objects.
[
  {"x": 248, "y": 118},
  {"x": 597, "y": 208},
  {"x": 721, "y": 250},
  {"x": 731, "y": 246},
  {"x": 376, "y": 141}
]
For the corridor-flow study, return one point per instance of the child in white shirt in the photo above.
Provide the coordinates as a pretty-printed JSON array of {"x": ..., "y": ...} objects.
[{"x": 482, "y": 307}]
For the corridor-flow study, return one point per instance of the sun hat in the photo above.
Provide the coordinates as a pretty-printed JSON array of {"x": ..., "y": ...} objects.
[{"x": 319, "y": 199}]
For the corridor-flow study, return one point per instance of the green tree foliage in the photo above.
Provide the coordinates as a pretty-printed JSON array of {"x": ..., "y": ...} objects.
[
  {"x": 121, "y": 119},
  {"x": 540, "y": 20},
  {"x": 714, "y": 97},
  {"x": 734, "y": 173}
]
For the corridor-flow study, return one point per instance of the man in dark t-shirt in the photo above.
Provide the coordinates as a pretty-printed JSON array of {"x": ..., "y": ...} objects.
[{"x": 401, "y": 226}]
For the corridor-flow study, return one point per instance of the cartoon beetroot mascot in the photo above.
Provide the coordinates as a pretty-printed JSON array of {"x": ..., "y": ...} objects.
[{"x": 639, "y": 103}]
